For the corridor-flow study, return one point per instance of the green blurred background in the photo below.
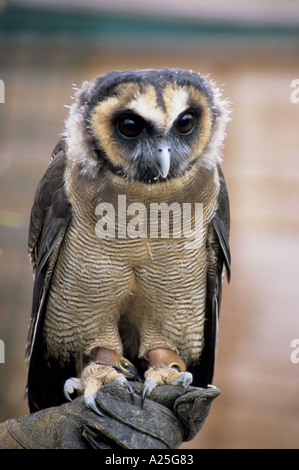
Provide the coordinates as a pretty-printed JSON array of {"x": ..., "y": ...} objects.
[{"x": 251, "y": 49}]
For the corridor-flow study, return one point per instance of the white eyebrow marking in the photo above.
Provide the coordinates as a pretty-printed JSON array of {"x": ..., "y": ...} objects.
[
  {"x": 176, "y": 103},
  {"x": 147, "y": 108}
]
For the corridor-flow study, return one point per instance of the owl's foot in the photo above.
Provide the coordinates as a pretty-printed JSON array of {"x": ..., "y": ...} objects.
[
  {"x": 166, "y": 367},
  {"x": 108, "y": 367}
]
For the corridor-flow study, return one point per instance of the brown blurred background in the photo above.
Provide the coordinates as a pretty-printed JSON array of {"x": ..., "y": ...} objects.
[{"x": 251, "y": 49}]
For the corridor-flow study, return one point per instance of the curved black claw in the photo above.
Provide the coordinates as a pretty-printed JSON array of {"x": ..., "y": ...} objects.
[
  {"x": 135, "y": 373},
  {"x": 129, "y": 370}
]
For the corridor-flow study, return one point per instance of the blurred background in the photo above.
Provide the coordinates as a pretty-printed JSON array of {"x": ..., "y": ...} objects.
[{"x": 251, "y": 49}]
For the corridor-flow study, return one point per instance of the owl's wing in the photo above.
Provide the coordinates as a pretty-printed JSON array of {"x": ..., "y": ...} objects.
[
  {"x": 49, "y": 219},
  {"x": 220, "y": 257}
]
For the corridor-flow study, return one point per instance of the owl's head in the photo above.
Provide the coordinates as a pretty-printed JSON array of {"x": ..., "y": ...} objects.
[{"x": 148, "y": 125}]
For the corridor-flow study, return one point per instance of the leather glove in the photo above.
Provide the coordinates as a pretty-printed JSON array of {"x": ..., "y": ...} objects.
[{"x": 165, "y": 420}]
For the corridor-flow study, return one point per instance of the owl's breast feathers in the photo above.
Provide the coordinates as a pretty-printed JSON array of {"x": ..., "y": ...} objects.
[{"x": 92, "y": 271}]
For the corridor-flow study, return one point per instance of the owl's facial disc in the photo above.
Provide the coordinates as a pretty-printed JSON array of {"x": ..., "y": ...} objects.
[{"x": 151, "y": 132}]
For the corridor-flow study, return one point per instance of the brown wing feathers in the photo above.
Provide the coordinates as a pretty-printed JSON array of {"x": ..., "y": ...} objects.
[{"x": 50, "y": 215}]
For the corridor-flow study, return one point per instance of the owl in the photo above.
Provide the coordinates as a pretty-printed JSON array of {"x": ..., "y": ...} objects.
[{"x": 129, "y": 238}]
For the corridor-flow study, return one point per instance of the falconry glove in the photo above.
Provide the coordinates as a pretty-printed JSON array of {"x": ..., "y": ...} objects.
[{"x": 162, "y": 422}]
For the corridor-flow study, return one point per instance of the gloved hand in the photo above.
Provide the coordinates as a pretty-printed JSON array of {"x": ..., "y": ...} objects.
[{"x": 165, "y": 420}]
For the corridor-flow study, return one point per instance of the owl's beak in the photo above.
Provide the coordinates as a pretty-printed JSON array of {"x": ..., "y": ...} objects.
[{"x": 163, "y": 160}]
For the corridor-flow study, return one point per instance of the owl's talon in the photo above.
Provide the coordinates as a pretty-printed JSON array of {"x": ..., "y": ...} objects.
[
  {"x": 124, "y": 383},
  {"x": 149, "y": 386},
  {"x": 93, "y": 377},
  {"x": 184, "y": 379},
  {"x": 159, "y": 375},
  {"x": 71, "y": 385},
  {"x": 130, "y": 371},
  {"x": 90, "y": 402}
]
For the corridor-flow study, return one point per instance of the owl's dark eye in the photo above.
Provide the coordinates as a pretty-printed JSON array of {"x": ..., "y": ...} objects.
[
  {"x": 131, "y": 126},
  {"x": 185, "y": 123}
]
